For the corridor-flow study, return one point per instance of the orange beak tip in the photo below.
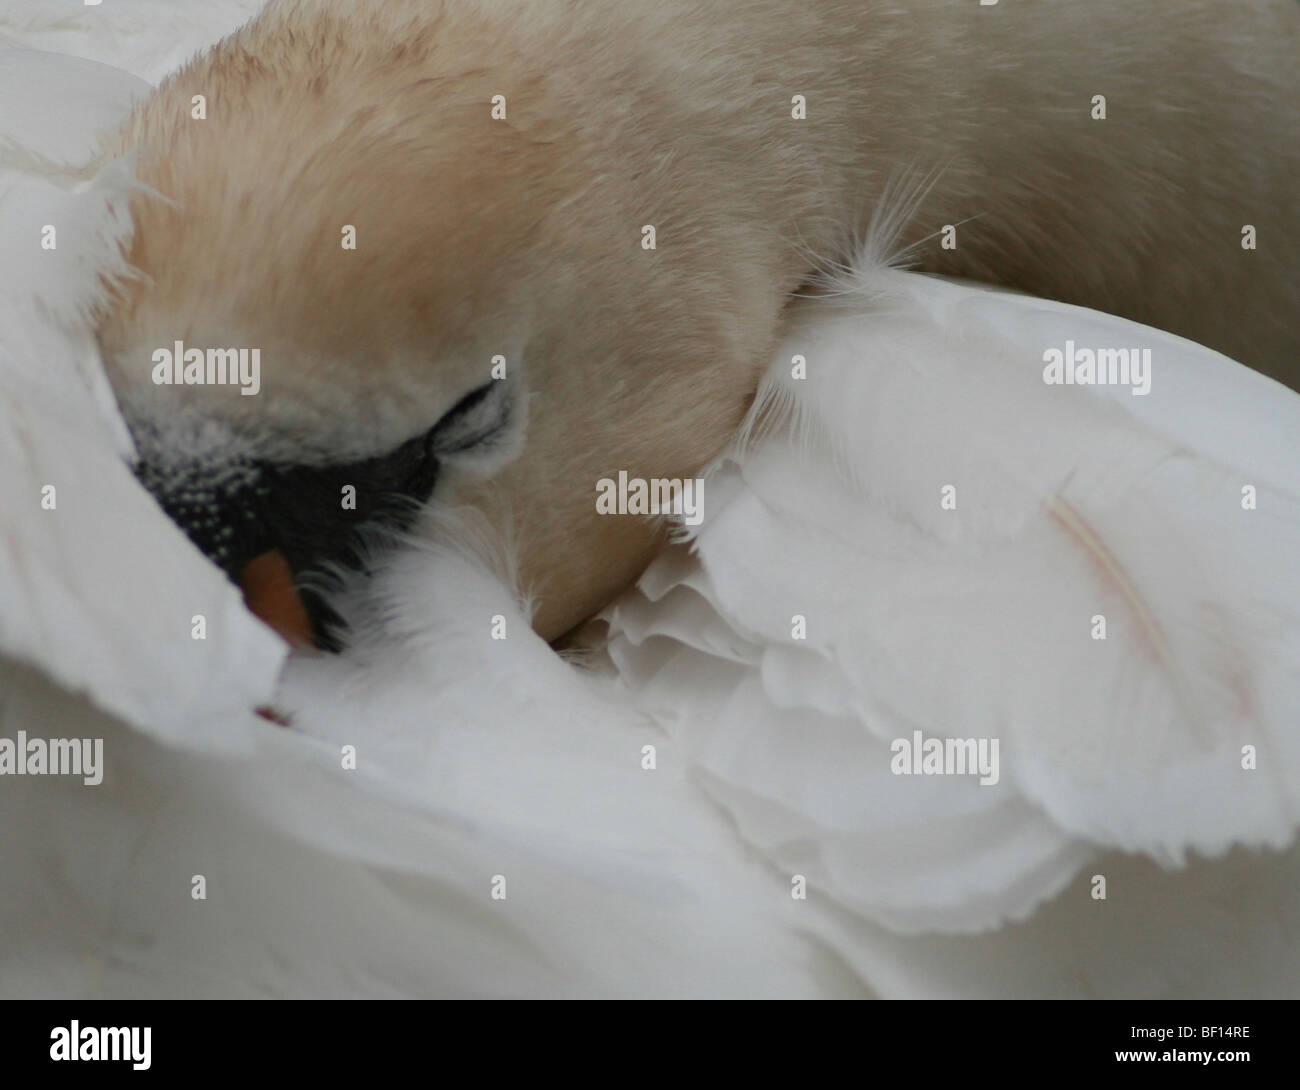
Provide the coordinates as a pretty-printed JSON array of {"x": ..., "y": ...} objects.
[{"x": 267, "y": 584}]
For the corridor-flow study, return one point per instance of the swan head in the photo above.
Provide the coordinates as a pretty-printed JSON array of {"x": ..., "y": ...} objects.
[{"x": 356, "y": 295}]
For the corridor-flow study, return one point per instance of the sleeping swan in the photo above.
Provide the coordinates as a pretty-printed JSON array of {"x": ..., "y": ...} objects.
[{"x": 489, "y": 255}]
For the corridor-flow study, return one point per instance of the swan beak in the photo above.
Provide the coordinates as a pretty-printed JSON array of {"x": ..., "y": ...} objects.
[{"x": 269, "y": 592}]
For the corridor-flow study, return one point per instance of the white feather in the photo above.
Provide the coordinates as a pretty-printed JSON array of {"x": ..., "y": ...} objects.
[
  {"x": 1072, "y": 501},
  {"x": 101, "y": 589}
]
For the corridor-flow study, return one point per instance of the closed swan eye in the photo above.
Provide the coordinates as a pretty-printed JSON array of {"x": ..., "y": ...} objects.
[{"x": 476, "y": 418}]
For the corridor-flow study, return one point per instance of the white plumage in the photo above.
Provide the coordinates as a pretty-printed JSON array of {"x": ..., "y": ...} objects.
[
  {"x": 479, "y": 758},
  {"x": 1071, "y": 503}
]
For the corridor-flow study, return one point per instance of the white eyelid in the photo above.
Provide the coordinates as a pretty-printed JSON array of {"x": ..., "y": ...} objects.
[{"x": 489, "y": 435}]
